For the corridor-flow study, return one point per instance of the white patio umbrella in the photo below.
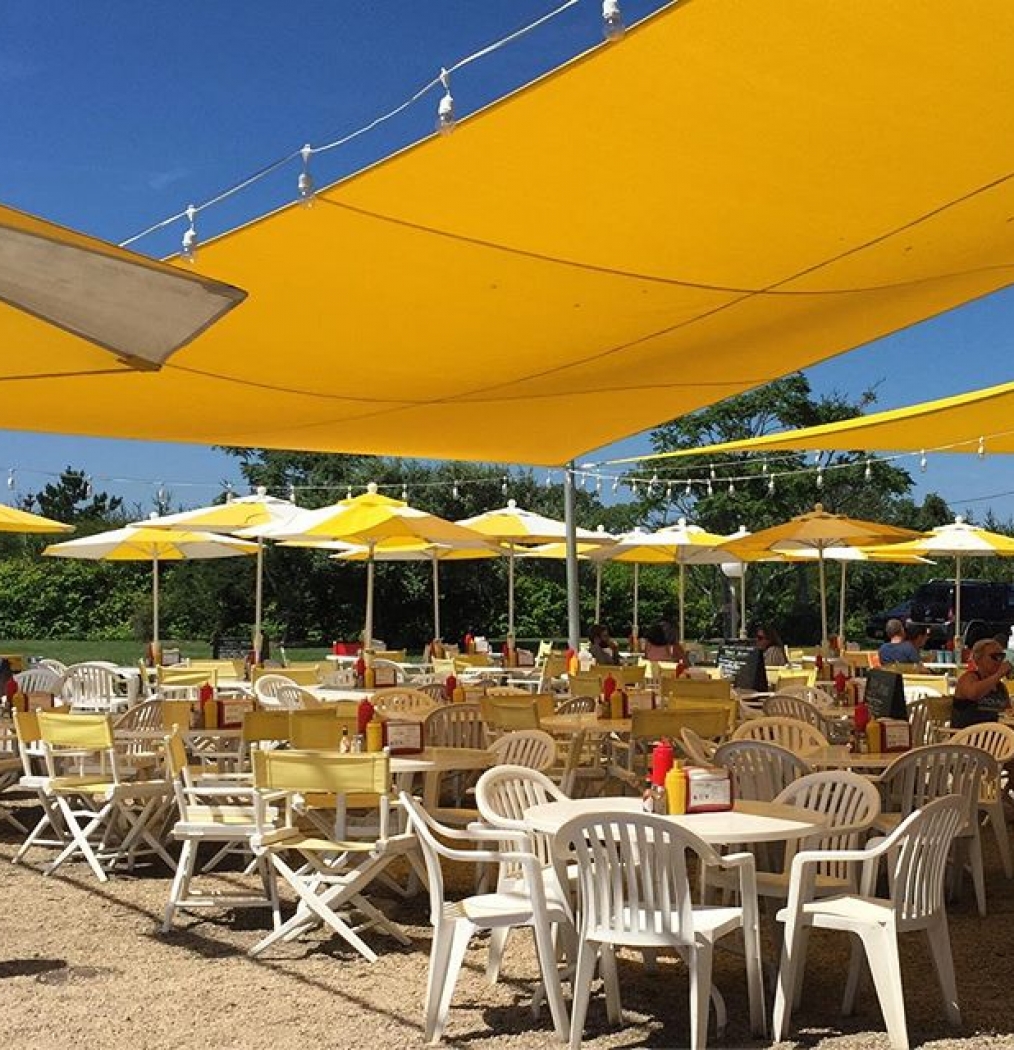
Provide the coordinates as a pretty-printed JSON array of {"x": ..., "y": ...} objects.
[
  {"x": 516, "y": 529},
  {"x": 680, "y": 544},
  {"x": 238, "y": 516},
  {"x": 148, "y": 543},
  {"x": 960, "y": 540},
  {"x": 372, "y": 520}
]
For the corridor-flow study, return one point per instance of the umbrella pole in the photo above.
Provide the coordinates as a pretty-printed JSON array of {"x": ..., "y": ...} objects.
[
  {"x": 637, "y": 580},
  {"x": 682, "y": 586},
  {"x": 368, "y": 630},
  {"x": 436, "y": 596},
  {"x": 573, "y": 583},
  {"x": 959, "y": 645},
  {"x": 258, "y": 638},
  {"x": 742, "y": 602},
  {"x": 841, "y": 611},
  {"x": 155, "y": 646},
  {"x": 598, "y": 592},
  {"x": 823, "y": 599},
  {"x": 510, "y": 591}
]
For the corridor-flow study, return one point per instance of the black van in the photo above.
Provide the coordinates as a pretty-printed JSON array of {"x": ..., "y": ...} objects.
[{"x": 986, "y": 609}]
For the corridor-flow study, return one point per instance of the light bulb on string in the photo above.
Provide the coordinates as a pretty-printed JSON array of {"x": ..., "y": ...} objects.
[
  {"x": 292, "y": 492},
  {"x": 633, "y": 486},
  {"x": 10, "y": 478},
  {"x": 771, "y": 485},
  {"x": 868, "y": 472},
  {"x": 189, "y": 244},
  {"x": 981, "y": 451},
  {"x": 88, "y": 487},
  {"x": 455, "y": 493},
  {"x": 689, "y": 490},
  {"x": 764, "y": 467},
  {"x": 160, "y": 494},
  {"x": 616, "y": 484},
  {"x": 348, "y": 492},
  {"x": 598, "y": 485},
  {"x": 711, "y": 473},
  {"x": 711, "y": 485},
  {"x": 305, "y": 181},
  {"x": 503, "y": 486},
  {"x": 820, "y": 477},
  {"x": 816, "y": 458},
  {"x": 732, "y": 487},
  {"x": 922, "y": 461},
  {"x": 404, "y": 493},
  {"x": 612, "y": 20},
  {"x": 549, "y": 478},
  {"x": 668, "y": 493},
  {"x": 446, "y": 121}
]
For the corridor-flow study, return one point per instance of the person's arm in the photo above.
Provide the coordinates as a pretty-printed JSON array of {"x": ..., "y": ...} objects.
[{"x": 971, "y": 687}]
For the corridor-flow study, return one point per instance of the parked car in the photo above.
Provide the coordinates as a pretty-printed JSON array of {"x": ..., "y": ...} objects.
[{"x": 986, "y": 609}]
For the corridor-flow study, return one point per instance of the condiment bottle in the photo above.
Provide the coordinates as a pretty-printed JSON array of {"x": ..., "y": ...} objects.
[
  {"x": 375, "y": 734},
  {"x": 209, "y": 706},
  {"x": 874, "y": 736},
  {"x": 615, "y": 702},
  {"x": 608, "y": 686},
  {"x": 450, "y": 685},
  {"x": 364, "y": 713},
  {"x": 676, "y": 789},
  {"x": 360, "y": 671}
]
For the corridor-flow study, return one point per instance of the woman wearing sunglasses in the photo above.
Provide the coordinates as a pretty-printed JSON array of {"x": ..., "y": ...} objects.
[{"x": 980, "y": 694}]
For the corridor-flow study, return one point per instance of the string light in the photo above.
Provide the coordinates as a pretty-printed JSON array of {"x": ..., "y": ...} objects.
[
  {"x": 503, "y": 486},
  {"x": 981, "y": 451},
  {"x": 616, "y": 484},
  {"x": 868, "y": 472},
  {"x": 820, "y": 477},
  {"x": 598, "y": 485},
  {"x": 771, "y": 485},
  {"x": 160, "y": 494},
  {"x": 348, "y": 492},
  {"x": 305, "y": 181},
  {"x": 816, "y": 458},
  {"x": 229, "y": 494},
  {"x": 922, "y": 461},
  {"x": 668, "y": 492},
  {"x": 549, "y": 478},
  {"x": 404, "y": 493},
  {"x": 292, "y": 492},
  {"x": 689, "y": 490},
  {"x": 612, "y": 20},
  {"x": 10, "y": 478},
  {"x": 445, "y": 107},
  {"x": 455, "y": 493},
  {"x": 190, "y": 235},
  {"x": 88, "y": 487},
  {"x": 732, "y": 488},
  {"x": 711, "y": 487}
]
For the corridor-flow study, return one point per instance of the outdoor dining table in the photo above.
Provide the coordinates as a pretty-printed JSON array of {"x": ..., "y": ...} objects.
[
  {"x": 838, "y": 756},
  {"x": 746, "y": 822},
  {"x": 588, "y": 723}
]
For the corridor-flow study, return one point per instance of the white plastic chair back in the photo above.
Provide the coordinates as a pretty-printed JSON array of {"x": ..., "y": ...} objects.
[
  {"x": 697, "y": 749},
  {"x": 917, "y": 777},
  {"x": 532, "y": 748},
  {"x": 40, "y": 680},
  {"x": 146, "y": 715},
  {"x": 798, "y": 737},
  {"x": 455, "y": 725},
  {"x": 390, "y": 665},
  {"x": 785, "y": 706},
  {"x": 813, "y": 693},
  {"x": 56, "y": 666},
  {"x": 577, "y": 705},
  {"x": 502, "y": 795},
  {"x": 94, "y": 687},
  {"x": 277, "y": 691},
  {"x": 994, "y": 737},
  {"x": 395, "y": 700},
  {"x": 760, "y": 770}
]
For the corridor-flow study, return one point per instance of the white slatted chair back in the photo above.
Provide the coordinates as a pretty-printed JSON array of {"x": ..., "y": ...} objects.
[
  {"x": 145, "y": 715},
  {"x": 56, "y": 666},
  {"x": 919, "y": 776},
  {"x": 455, "y": 725},
  {"x": 277, "y": 691},
  {"x": 791, "y": 733},
  {"x": 577, "y": 705},
  {"x": 786, "y": 706},
  {"x": 813, "y": 693},
  {"x": 760, "y": 770},
  {"x": 532, "y": 748},
  {"x": 697, "y": 749},
  {"x": 390, "y": 665},
  {"x": 502, "y": 795},
  {"x": 95, "y": 687},
  {"x": 398, "y": 700},
  {"x": 40, "y": 680},
  {"x": 994, "y": 737}
]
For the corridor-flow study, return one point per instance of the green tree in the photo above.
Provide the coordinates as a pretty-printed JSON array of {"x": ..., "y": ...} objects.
[{"x": 72, "y": 501}]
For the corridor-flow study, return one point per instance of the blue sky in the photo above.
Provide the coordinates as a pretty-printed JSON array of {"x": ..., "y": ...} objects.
[{"x": 118, "y": 115}]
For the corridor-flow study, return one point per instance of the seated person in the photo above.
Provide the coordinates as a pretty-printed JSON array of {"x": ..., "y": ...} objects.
[
  {"x": 602, "y": 647},
  {"x": 980, "y": 694},
  {"x": 902, "y": 645},
  {"x": 770, "y": 643},
  {"x": 660, "y": 643}
]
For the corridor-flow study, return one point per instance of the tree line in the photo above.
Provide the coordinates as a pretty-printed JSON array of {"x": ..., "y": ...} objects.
[{"x": 309, "y": 597}]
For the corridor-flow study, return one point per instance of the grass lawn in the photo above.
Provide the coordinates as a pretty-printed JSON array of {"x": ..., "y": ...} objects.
[{"x": 125, "y": 652}]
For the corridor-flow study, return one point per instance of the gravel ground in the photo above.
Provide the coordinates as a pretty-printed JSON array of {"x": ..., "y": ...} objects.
[{"x": 85, "y": 963}]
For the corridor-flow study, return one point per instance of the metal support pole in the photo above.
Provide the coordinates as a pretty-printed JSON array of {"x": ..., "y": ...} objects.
[{"x": 573, "y": 596}]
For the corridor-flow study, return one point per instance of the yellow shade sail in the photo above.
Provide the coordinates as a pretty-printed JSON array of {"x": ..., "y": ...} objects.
[
  {"x": 962, "y": 423},
  {"x": 14, "y": 520},
  {"x": 72, "y": 304},
  {"x": 732, "y": 191}
]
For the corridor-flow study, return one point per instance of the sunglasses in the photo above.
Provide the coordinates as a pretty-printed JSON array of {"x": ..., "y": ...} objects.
[{"x": 995, "y": 656}]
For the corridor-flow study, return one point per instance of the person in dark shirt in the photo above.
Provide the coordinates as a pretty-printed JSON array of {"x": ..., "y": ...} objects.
[
  {"x": 980, "y": 694},
  {"x": 602, "y": 647},
  {"x": 898, "y": 649}
]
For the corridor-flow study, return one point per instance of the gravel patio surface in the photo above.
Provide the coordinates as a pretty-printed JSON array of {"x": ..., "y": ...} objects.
[{"x": 85, "y": 964}]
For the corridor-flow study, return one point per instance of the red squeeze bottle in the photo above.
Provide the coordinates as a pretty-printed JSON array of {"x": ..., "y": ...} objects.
[
  {"x": 335, "y": 647},
  {"x": 819, "y": 662},
  {"x": 608, "y": 686},
  {"x": 862, "y": 717},
  {"x": 661, "y": 761},
  {"x": 449, "y": 686},
  {"x": 360, "y": 669},
  {"x": 364, "y": 714},
  {"x": 840, "y": 681}
]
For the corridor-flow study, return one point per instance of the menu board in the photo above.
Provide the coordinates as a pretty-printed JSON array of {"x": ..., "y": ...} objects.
[
  {"x": 885, "y": 694},
  {"x": 743, "y": 662}
]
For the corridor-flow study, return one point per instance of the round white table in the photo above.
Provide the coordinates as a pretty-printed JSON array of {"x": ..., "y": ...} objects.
[{"x": 745, "y": 822}]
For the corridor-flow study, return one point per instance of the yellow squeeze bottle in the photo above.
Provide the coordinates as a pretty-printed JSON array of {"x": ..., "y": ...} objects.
[
  {"x": 374, "y": 735},
  {"x": 616, "y": 705},
  {"x": 458, "y": 696},
  {"x": 676, "y": 789},
  {"x": 874, "y": 737}
]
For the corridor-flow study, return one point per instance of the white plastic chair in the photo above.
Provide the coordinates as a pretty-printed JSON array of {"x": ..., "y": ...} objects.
[
  {"x": 455, "y": 725},
  {"x": 917, "y": 863},
  {"x": 697, "y": 749},
  {"x": 799, "y": 737},
  {"x": 787, "y": 706},
  {"x": 399, "y": 700},
  {"x": 40, "y": 680},
  {"x": 96, "y": 687},
  {"x": 925, "y": 773},
  {"x": 277, "y": 691},
  {"x": 455, "y": 922},
  {"x": 633, "y": 889},
  {"x": 760, "y": 769},
  {"x": 525, "y": 747},
  {"x": 997, "y": 740}
]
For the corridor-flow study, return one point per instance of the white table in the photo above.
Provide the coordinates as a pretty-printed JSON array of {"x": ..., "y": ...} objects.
[{"x": 746, "y": 822}]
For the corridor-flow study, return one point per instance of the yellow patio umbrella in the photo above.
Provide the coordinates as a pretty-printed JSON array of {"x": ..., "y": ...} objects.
[
  {"x": 372, "y": 520},
  {"x": 681, "y": 544},
  {"x": 434, "y": 553},
  {"x": 960, "y": 540},
  {"x": 817, "y": 531},
  {"x": 238, "y": 516},
  {"x": 14, "y": 520},
  {"x": 516, "y": 529},
  {"x": 148, "y": 543},
  {"x": 76, "y": 305}
]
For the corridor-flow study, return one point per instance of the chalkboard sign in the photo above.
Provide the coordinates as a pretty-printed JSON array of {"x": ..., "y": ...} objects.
[
  {"x": 885, "y": 694},
  {"x": 743, "y": 662},
  {"x": 229, "y": 648}
]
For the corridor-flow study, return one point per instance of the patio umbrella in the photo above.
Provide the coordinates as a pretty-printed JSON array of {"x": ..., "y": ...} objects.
[
  {"x": 148, "y": 543},
  {"x": 558, "y": 552},
  {"x": 238, "y": 516},
  {"x": 817, "y": 531},
  {"x": 517, "y": 529},
  {"x": 960, "y": 540},
  {"x": 14, "y": 520},
  {"x": 434, "y": 553},
  {"x": 94, "y": 307},
  {"x": 373, "y": 520},
  {"x": 680, "y": 544}
]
